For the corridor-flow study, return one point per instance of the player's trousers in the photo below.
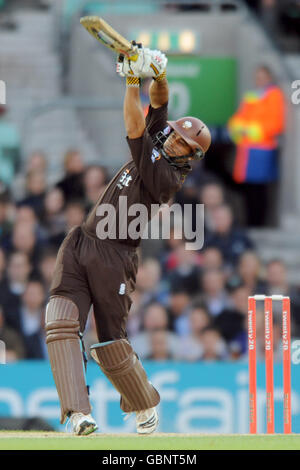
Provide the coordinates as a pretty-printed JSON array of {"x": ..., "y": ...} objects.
[
  {"x": 102, "y": 273},
  {"x": 89, "y": 272}
]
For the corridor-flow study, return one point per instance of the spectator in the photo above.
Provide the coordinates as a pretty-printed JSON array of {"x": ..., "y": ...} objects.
[
  {"x": 25, "y": 214},
  {"x": 276, "y": 278},
  {"x": 75, "y": 214},
  {"x": 54, "y": 219},
  {"x": 35, "y": 192},
  {"x": 14, "y": 348},
  {"x": 249, "y": 273},
  {"x": 148, "y": 280},
  {"x": 167, "y": 255},
  {"x": 277, "y": 283},
  {"x": 159, "y": 346},
  {"x": 179, "y": 307},
  {"x": 13, "y": 286},
  {"x": 155, "y": 319},
  {"x": 31, "y": 316},
  {"x": 200, "y": 175},
  {"x": 5, "y": 222},
  {"x": 188, "y": 193},
  {"x": 188, "y": 196},
  {"x": 230, "y": 240},
  {"x": 134, "y": 318},
  {"x": 172, "y": 256},
  {"x": 255, "y": 129},
  {"x": 94, "y": 182},
  {"x": 212, "y": 196},
  {"x": 214, "y": 295},
  {"x": 190, "y": 346},
  {"x": 46, "y": 266},
  {"x": 214, "y": 347},
  {"x": 36, "y": 162},
  {"x": 62, "y": 221},
  {"x": 72, "y": 183},
  {"x": 231, "y": 321},
  {"x": 154, "y": 243},
  {"x": 24, "y": 239},
  {"x": 212, "y": 258},
  {"x": 2, "y": 266},
  {"x": 186, "y": 273}
]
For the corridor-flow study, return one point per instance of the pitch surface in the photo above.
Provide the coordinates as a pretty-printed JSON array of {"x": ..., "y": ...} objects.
[{"x": 27, "y": 440}]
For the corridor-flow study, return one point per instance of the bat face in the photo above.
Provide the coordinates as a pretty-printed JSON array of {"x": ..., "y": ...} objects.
[
  {"x": 104, "y": 33},
  {"x": 104, "y": 38}
]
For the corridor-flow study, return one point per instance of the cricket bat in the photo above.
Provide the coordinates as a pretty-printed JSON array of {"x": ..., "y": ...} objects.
[{"x": 108, "y": 36}]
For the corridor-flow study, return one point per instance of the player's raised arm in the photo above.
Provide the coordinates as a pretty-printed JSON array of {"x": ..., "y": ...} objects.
[
  {"x": 159, "y": 90},
  {"x": 133, "y": 111},
  {"x": 146, "y": 63}
]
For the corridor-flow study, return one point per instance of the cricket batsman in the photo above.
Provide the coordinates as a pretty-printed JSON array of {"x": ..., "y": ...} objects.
[{"x": 91, "y": 270}]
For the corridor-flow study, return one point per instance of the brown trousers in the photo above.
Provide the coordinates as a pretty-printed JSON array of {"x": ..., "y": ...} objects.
[{"x": 99, "y": 272}]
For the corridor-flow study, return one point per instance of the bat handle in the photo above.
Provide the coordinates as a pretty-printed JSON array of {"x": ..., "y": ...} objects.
[
  {"x": 133, "y": 55},
  {"x": 138, "y": 44}
]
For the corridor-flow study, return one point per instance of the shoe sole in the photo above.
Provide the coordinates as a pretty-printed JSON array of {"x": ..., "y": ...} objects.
[
  {"x": 143, "y": 433},
  {"x": 86, "y": 428}
]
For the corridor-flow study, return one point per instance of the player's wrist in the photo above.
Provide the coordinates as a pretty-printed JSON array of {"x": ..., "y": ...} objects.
[
  {"x": 134, "y": 82},
  {"x": 161, "y": 77}
]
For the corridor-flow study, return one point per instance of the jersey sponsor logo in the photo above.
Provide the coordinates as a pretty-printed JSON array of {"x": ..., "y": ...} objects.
[
  {"x": 124, "y": 179},
  {"x": 155, "y": 155},
  {"x": 122, "y": 289}
]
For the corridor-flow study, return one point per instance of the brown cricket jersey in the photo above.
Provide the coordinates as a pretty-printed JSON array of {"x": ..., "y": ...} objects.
[{"x": 146, "y": 179}]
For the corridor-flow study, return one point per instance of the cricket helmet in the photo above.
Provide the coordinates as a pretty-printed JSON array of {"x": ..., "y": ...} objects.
[{"x": 195, "y": 133}]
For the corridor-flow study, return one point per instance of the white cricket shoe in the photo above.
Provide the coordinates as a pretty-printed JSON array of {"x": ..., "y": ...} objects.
[
  {"x": 83, "y": 424},
  {"x": 146, "y": 421}
]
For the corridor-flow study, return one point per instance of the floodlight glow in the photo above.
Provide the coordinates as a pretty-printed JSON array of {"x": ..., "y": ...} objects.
[
  {"x": 164, "y": 41},
  {"x": 144, "y": 38},
  {"x": 187, "y": 41}
]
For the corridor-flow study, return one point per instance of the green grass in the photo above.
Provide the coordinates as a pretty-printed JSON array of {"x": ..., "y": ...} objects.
[{"x": 27, "y": 440}]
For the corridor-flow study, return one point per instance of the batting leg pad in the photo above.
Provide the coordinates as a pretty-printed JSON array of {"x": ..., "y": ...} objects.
[
  {"x": 124, "y": 370},
  {"x": 62, "y": 327}
]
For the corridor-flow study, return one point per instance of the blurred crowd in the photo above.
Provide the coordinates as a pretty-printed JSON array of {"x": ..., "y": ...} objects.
[
  {"x": 188, "y": 305},
  {"x": 281, "y": 20}
]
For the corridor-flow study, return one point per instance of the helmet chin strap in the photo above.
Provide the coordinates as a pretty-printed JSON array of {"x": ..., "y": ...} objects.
[{"x": 174, "y": 160}]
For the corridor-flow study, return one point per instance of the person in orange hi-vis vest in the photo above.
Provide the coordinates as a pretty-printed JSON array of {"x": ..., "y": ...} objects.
[{"x": 255, "y": 129}]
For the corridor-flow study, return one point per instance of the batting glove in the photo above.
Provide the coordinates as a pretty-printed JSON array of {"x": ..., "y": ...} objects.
[{"x": 146, "y": 63}]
